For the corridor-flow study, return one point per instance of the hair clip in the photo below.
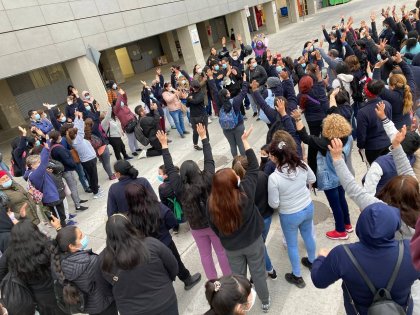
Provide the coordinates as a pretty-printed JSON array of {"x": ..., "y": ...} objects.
[
  {"x": 281, "y": 145},
  {"x": 217, "y": 286}
]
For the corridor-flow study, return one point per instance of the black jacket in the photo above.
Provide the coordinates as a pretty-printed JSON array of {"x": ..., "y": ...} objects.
[
  {"x": 165, "y": 192},
  {"x": 150, "y": 125},
  {"x": 147, "y": 288},
  {"x": 259, "y": 74},
  {"x": 195, "y": 101},
  {"x": 252, "y": 221}
]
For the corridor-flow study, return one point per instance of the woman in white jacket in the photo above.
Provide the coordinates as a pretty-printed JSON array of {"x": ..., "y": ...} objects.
[{"x": 289, "y": 193}]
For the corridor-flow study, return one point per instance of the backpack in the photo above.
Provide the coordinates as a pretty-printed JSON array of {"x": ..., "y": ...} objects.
[
  {"x": 177, "y": 209},
  {"x": 139, "y": 134},
  {"x": 382, "y": 301},
  {"x": 228, "y": 120},
  {"x": 96, "y": 142},
  {"x": 16, "y": 297},
  {"x": 63, "y": 305},
  {"x": 270, "y": 102}
]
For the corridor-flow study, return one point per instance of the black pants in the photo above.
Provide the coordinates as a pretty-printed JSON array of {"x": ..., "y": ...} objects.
[
  {"x": 183, "y": 272},
  {"x": 315, "y": 129},
  {"x": 92, "y": 174},
  {"x": 59, "y": 212},
  {"x": 194, "y": 122},
  {"x": 372, "y": 155},
  {"x": 118, "y": 146},
  {"x": 111, "y": 310},
  {"x": 156, "y": 149}
]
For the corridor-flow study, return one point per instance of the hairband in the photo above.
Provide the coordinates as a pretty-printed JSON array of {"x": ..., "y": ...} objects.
[
  {"x": 281, "y": 145},
  {"x": 217, "y": 286}
]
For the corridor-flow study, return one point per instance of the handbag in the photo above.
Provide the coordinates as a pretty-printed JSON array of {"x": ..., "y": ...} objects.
[
  {"x": 129, "y": 128},
  {"x": 35, "y": 194}
]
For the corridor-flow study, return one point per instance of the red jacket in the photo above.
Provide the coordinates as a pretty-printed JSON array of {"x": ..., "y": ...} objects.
[{"x": 122, "y": 111}]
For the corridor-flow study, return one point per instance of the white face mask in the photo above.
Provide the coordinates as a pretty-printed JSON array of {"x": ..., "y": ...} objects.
[
  {"x": 199, "y": 71},
  {"x": 235, "y": 57}
]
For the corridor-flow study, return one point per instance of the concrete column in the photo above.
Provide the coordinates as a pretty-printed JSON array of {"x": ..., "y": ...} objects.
[
  {"x": 293, "y": 11},
  {"x": 10, "y": 115},
  {"x": 85, "y": 76},
  {"x": 111, "y": 66},
  {"x": 205, "y": 38},
  {"x": 271, "y": 18},
  {"x": 239, "y": 22},
  {"x": 191, "y": 48},
  {"x": 311, "y": 5},
  {"x": 167, "y": 40}
]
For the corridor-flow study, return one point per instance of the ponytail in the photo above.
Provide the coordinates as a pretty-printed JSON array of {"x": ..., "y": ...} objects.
[
  {"x": 398, "y": 81},
  {"x": 408, "y": 100},
  {"x": 240, "y": 165},
  {"x": 126, "y": 169}
]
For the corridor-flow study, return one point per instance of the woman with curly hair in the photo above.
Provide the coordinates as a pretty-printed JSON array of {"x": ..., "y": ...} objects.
[
  {"x": 333, "y": 126},
  {"x": 28, "y": 257}
]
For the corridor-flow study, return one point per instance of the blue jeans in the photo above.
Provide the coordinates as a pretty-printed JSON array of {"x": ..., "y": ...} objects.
[
  {"x": 338, "y": 203},
  {"x": 267, "y": 224},
  {"x": 82, "y": 176},
  {"x": 178, "y": 118},
  {"x": 291, "y": 223}
]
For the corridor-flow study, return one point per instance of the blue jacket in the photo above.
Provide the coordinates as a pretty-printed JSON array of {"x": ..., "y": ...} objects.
[
  {"x": 44, "y": 125},
  {"x": 371, "y": 134},
  {"x": 116, "y": 194},
  {"x": 43, "y": 181},
  {"x": 63, "y": 155},
  {"x": 317, "y": 105},
  {"x": 376, "y": 252}
]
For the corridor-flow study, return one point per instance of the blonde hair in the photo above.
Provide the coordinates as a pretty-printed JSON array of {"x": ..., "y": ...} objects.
[
  {"x": 335, "y": 126},
  {"x": 33, "y": 159},
  {"x": 398, "y": 81}
]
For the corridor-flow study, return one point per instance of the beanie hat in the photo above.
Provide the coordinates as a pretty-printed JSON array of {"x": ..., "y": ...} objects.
[
  {"x": 273, "y": 82},
  {"x": 3, "y": 173}
]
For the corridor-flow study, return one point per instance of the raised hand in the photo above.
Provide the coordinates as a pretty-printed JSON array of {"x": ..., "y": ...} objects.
[
  {"x": 246, "y": 134},
  {"x": 373, "y": 16},
  {"x": 380, "y": 110},
  {"x": 239, "y": 37},
  {"x": 379, "y": 64},
  {"x": 163, "y": 139},
  {"x": 223, "y": 41},
  {"x": 296, "y": 114},
  {"x": 201, "y": 130},
  {"x": 397, "y": 58},
  {"x": 281, "y": 107},
  {"x": 399, "y": 137},
  {"x": 55, "y": 222},
  {"x": 336, "y": 149},
  {"x": 22, "y": 131}
]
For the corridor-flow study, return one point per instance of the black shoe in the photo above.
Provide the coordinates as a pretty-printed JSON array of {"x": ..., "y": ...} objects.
[
  {"x": 88, "y": 190},
  {"x": 135, "y": 154},
  {"x": 255, "y": 115},
  {"x": 81, "y": 208},
  {"x": 83, "y": 201},
  {"x": 273, "y": 274},
  {"x": 186, "y": 132},
  {"x": 138, "y": 150},
  {"x": 192, "y": 281},
  {"x": 305, "y": 261},
  {"x": 198, "y": 148},
  {"x": 297, "y": 281},
  {"x": 258, "y": 119},
  {"x": 169, "y": 141},
  {"x": 127, "y": 158}
]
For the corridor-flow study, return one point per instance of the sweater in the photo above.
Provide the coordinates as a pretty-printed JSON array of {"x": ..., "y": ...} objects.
[
  {"x": 117, "y": 203},
  {"x": 370, "y": 132},
  {"x": 252, "y": 222},
  {"x": 111, "y": 127},
  {"x": 122, "y": 111},
  {"x": 44, "y": 125},
  {"x": 172, "y": 101},
  {"x": 288, "y": 189},
  {"x": 147, "y": 288},
  {"x": 83, "y": 147}
]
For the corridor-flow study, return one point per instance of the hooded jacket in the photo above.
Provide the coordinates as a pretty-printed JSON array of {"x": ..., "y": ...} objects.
[
  {"x": 376, "y": 252},
  {"x": 346, "y": 80}
]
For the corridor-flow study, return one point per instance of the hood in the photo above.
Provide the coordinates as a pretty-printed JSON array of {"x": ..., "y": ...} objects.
[
  {"x": 285, "y": 173},
  {"x": 73, "y": 265},
  {"x": 345, "y": 77},
  {"x": 377, "y": 225}
]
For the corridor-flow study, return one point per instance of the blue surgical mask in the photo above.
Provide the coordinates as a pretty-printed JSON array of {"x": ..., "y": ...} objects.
[
  {"x": 87, "y": 97},
  {"x": 63, "y": 119},
  {"x": 304, "y": 65},
  {"x": 87, "y": 108},
  {"x": 379, "y": 57},
  {"x": 37, "y": 117},
  {"x": 7, "y": 184},
  {"x": 254, "y": 65},
  {"x": 224, "y": 66},
  {"x": 217, "y": 68},
  {"x": 84, "y": 242},
  {"x": 160, "y": 178},
  {"x": 279, "y": 68},
  {"x": 37, "y": 143}
]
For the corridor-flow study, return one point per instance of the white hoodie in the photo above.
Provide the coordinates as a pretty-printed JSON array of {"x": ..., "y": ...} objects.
[
  {"x": 346, "y": 79},
  {"x": 288, "y": 192}
]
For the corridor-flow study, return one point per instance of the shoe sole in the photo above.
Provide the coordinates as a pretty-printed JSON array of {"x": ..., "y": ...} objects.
[
  {"x": 350, "y": 231},
  {"x": 338, "y": 238}
]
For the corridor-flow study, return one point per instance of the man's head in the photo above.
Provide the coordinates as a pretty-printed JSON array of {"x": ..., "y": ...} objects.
[{"x": 33, "y": 115}]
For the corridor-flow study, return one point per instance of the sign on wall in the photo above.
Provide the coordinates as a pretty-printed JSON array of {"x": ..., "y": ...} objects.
[{"x": 194, "y": 36}]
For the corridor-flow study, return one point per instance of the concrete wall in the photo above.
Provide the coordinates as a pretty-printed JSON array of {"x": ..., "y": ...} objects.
[{"x": 36, "y": 33}]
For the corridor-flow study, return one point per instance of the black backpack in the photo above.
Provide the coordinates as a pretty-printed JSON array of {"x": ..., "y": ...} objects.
[
  {"x": 382, "y": 304},
  {"x": 16, "y": 297}
]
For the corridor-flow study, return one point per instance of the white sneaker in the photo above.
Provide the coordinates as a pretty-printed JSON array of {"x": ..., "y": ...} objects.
[
  {"x": 100, "y": 191},
  {"x": 97, "y": 196},
  {"x": 142, "y": 155},
  {"x": 209, "y": 120}
]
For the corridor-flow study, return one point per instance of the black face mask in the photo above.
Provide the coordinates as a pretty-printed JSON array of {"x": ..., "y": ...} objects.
[{"x": 264, "y": 159}]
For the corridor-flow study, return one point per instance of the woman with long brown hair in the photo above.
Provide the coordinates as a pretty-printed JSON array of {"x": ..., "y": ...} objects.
[{"x": 235, "y": 218}]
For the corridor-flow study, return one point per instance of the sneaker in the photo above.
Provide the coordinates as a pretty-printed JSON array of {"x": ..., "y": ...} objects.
[
  {"x": 191, "y": 281},
  {"x": 255, "y": 115},
  {"x": 142, "y": 155},
  {"x": 72, "y": 216},
  {"x": 348, "y": 228},
  {"x": 186, "y": 132},
  {"x": 209, "y": 120},
  {"x": 81, "y": 208},
  {"x": 273, "y": 274},
  {"x": 71, "y": 222},
  {"x": 83, "y": 201},
  {"x": 97, "y": 196},
  {"x": 128, "y": 158},
  {"x": 297, "y": 281},
  {"x": 198, "y": 148},
  {"x": 334, "y": 235},
  {"x": 305, "y": 261},
  {"x": 88, "y": 190},
  {"x": 113, "y": 177},
  {"x": 135, "y": 154},
  {"x": 266, "y": 307}
]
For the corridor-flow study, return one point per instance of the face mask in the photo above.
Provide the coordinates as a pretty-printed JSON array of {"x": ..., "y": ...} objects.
[
  {"x": 84, "y": 242},
  {"x": 385, "y": 27},
  {"x": 7, "y": 184},
  {"x": 311, "y": 49},
  {"x": 114, "y": 86},
  {"x": 63, "y": 119},
  {"x": 122, "y": 104},
  {"x": 379, "y": 57},
  {"x": 235, "y": 58},
  {"x": 199, "y": 71},
  {"x": 37, "y": 117},
  {"x": 70, "y": 103},
  {"x": 87, "y": 97},
  {"x": 224, "y": 66},
  {"x": 160, "y": 178},
  {"x": 216, "y": 68},
  {"x": 252, "y": 302},
  {"x": 304, "y": 65},
  {"x": 37, "y": 143},
  {"x": 264, "y": 159},
  {"x": 279, "y": 68},
  {"x": 411, "y": 17},
  {"x": 254, "y": 65},
  {"x": 87, "y": 108}
]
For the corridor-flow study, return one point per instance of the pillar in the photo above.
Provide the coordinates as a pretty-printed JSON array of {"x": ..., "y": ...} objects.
[
  {"x": 205, "y": 38},
  {"x": 191, "y": 48},
  {"x": 167, "y": 40},
  {"x": 293, "y": 11},
  {"x": 239, "y": 22},
  {"x": 311, "y": 5},
  {"x": 10, "y": 114},
  {"x": 85, "y": 76},
  {"x": 271, "y": 18},
  {"x": 111, "y": 66}
]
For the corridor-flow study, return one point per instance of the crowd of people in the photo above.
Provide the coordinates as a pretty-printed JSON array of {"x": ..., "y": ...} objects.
[{"x": 363, "y": 91}]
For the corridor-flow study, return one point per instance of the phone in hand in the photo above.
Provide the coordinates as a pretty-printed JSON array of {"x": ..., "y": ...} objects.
[
  {"x": 324, "y": 72},
  {"x": 316, "y": 40},
  {"x": 48, "y": 214}
]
